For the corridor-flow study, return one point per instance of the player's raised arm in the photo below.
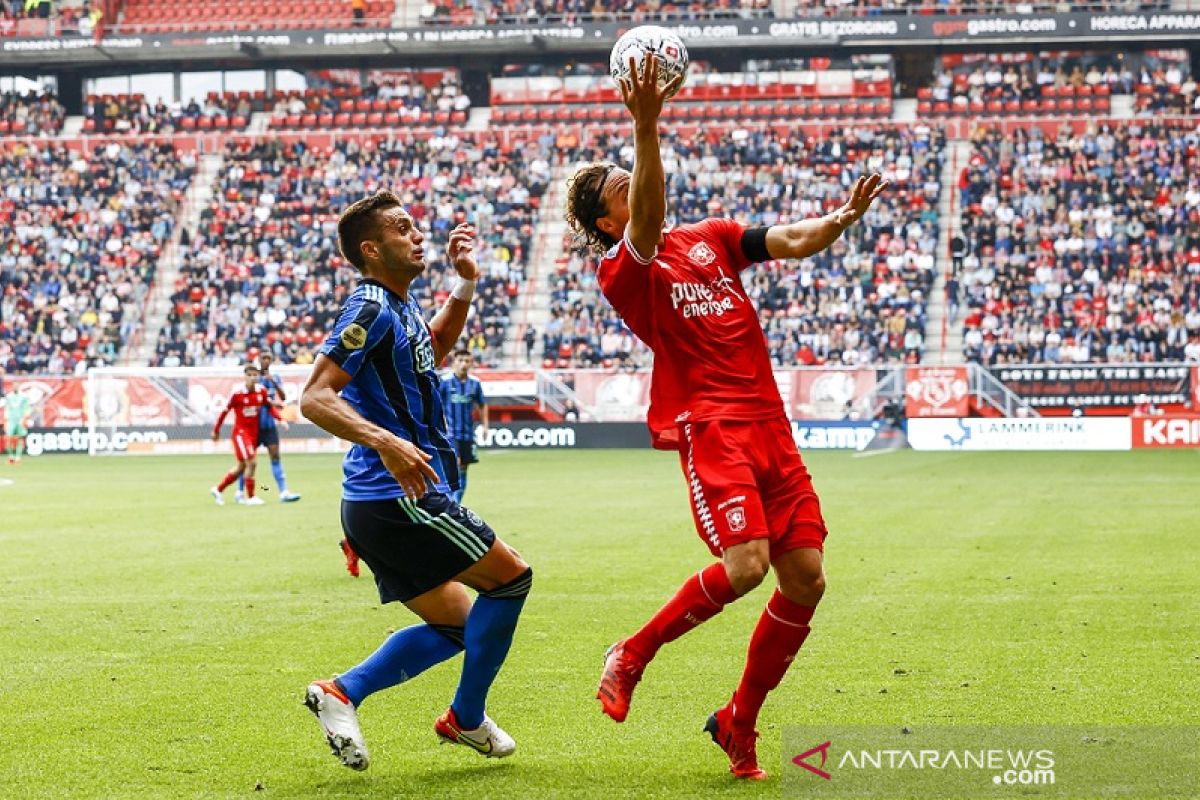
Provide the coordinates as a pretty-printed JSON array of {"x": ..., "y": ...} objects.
[
  {"x": 447, "y": 324},
  {"x": 806, "y": 237},
  {"x": 648, "y": 186},
  {"x": 321, "y": 402}
]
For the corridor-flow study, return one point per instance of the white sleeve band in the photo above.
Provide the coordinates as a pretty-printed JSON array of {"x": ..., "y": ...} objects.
[
  {"x": 636, "y": 255},
  {"x": 463, "y": 290}
]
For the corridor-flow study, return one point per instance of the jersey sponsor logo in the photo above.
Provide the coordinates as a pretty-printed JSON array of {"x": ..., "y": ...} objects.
[
  {"x": 424, "y": 357},
  {"x": 702, "y": 254},
  {"x": 354, "y": 337},
  {"x": 699, "y": 300},
  {"x": 736, "y": 517}
]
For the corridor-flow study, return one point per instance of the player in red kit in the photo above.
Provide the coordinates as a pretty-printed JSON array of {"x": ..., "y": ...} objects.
[
  {"x": 713, "y": 398},
  {"x": 245, "y": 404}
]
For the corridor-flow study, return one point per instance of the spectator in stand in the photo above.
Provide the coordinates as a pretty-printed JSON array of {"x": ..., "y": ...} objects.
[
  {"x": 1090, "y": 250},
  {"x": 860, "y": 302},
  {"x": 262, "y": 270},
  {"x": 79, "y": 248}
]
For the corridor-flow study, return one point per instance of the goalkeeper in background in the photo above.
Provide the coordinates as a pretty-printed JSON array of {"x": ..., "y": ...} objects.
[{"x": 17, "y": 411}]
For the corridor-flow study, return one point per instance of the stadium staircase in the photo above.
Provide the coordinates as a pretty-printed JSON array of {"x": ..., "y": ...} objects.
[
  {"x": 198, "y": 195},
  {"x": 72, "y": 126},
  {"x": 534, "y": 302},
  {"x": 943, "y": 336},
  {"x": 904, "y": 110},
  {"x": 407, "y": 14},
  {"x": 1123, "y": 106}
]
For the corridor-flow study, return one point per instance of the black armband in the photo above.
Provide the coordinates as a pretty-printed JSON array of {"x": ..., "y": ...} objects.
[{"x": 754, "y": 245}]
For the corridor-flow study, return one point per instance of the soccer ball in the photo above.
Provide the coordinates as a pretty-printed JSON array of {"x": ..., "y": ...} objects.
[{"x": 661, "y": 43}]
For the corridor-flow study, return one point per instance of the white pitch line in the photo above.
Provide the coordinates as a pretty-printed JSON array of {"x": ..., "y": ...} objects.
[
  {"x": 6, "y": 482},
  {"x": 869, "y": 453}
]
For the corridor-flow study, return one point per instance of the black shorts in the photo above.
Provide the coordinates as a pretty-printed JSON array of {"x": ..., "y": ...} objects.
[
  {"x": 268, "y": 437},
  {"x": 415, "y": 546},
  {"x": 467, "y": 453}
]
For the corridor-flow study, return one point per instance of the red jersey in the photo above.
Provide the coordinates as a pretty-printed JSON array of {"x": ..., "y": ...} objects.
[
  {"x": 688, "y": 305},
  {"x": 245, "y": 405}
]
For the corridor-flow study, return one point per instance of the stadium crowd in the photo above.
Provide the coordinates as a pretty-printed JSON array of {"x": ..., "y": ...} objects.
[
  {"x": 516, "y": 12},
  {"x": 871, "y": 8},
  {"x": 1081, "y": 247},
  {"x": 80, "y": 237},
  {"x": 134, "y": 114},
  {"x": 31, "y": 113},
  {"x": 860, "y": 302},
  {"x": 263, "y": 270}
]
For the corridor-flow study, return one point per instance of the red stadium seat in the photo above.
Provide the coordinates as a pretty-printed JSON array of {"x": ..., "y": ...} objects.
[{"x": 358, "y": 119}]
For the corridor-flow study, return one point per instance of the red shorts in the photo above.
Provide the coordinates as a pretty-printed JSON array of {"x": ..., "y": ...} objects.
[
  {"x": 747, "y": 482},
  {"x": 245, "y": 443}
]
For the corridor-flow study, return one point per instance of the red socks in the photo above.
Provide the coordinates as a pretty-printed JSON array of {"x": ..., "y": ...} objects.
[
  {"x": 700, "y": 599},
  {"x": 229, "y": 478},
  {"x": 249, "y": 487},
  {"x": 780, "y": 632}
]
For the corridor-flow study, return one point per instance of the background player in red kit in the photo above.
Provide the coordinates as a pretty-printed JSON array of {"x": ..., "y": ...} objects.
[
  {"x": 246, "y": 404},
  {"x": 713, "y": 398}
]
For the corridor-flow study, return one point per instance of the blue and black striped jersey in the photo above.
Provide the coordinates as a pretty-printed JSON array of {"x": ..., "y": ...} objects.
[
  {"x": 384, "y": 343},
  {"x": 460, "y": 399},
  {"x": 274, "y": 388}
]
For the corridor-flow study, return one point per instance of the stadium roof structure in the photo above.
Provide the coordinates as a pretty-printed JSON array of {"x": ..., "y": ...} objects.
[{"x": 518, "y": 43}]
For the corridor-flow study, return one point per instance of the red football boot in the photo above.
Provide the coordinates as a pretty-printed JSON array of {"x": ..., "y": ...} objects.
[
  {"x": 621, "y": 675},
  {"x": 351, "y": 557},
  {"x": 737, "y": 744}
]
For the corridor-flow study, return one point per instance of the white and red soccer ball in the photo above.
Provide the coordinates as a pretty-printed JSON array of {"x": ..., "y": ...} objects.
[{"x": 659, "y": 42}]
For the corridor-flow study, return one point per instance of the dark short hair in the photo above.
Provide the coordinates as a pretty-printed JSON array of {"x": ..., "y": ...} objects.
[
  {"x": 250, "y": 367},
  {"x": 462, "y": 351},
  {"x": 360, "y": 222},
  {"x": 585, "y": 205}
]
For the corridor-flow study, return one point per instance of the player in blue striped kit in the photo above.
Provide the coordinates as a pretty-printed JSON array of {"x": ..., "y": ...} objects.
[
  {"x": 268, "y": 429},
  {"x": 461, "y": 395},
  {"x": 375, "y": 385}
]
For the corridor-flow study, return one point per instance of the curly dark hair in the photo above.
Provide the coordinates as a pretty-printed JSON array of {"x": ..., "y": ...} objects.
[{"x": 585, "y": 205}]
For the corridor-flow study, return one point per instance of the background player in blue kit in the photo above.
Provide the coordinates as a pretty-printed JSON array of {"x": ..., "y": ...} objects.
[
  {"x": 375, "y": 384},
  {"x": 461, "y": 395},
  {"x": 268, "y": 429}
]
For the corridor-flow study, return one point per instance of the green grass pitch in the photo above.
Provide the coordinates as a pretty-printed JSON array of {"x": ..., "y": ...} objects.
[{"x": 157, "y": 646}]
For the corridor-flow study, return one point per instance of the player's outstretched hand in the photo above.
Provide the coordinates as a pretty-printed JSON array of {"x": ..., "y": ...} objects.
[
  {"x": 216, "y": 437},
  {"x": 641, "y": 93},
  {"x": 866, "y": 190},
  {"x": 409, "y": 465},
  {"x": 461, "y": 252}
]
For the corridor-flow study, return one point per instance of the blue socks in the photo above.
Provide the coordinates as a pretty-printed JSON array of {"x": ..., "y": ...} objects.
[
  {"x": 489, "y": 634},
  {"x": 404, "y": 655},
  {"x": 277, "y": 471}
]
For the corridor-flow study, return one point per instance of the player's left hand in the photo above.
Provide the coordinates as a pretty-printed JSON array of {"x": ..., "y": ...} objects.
[
  {"x": 216, "y": 437},
  {"x": 866, "y": 190},
  {"x": 461, "y": 251}
]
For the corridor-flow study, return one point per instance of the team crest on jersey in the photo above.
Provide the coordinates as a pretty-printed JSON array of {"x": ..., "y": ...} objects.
[
  {"x": 354, "y": 337},
  {"x": 702, "y": 254},
  {"x": 736, "y": 517}
]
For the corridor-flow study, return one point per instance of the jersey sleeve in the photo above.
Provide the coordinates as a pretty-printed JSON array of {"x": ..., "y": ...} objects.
[
  {"x": 622, "y": 273},
  {"x": 360, "y": 327},
  {"x": 480, "y": 399},
  {"x": 727, "y": 234}
]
